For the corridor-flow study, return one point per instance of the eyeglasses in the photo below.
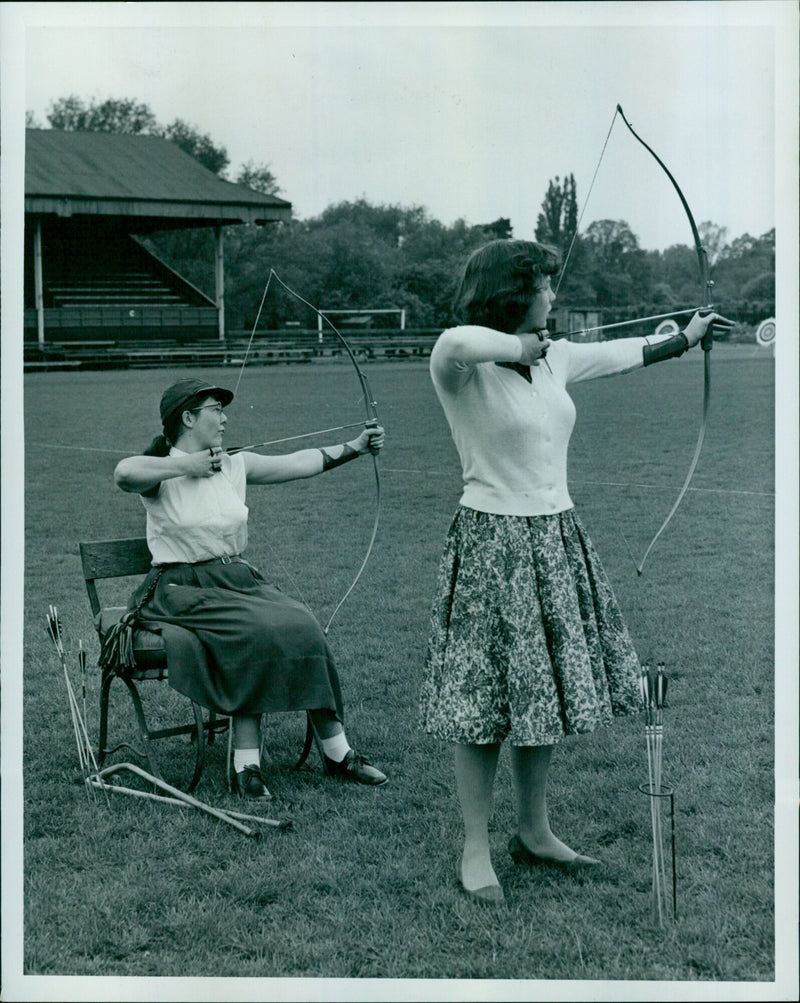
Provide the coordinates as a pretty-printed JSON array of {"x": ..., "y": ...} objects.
[{"x": 217, "y": 407}]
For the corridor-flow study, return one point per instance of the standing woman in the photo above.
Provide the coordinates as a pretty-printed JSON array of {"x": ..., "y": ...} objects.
[
  {"x": 247, "y": 648},
  {"x": 527, "y": 641}
]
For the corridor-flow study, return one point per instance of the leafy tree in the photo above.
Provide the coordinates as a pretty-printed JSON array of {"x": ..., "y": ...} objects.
[
  {"x": 123, "y": 115},
  {"x": 713, "y": 238},
  {"x": 677, "y": 268},
  {"x": 558, "y": 221},
  {"x": 741, "y": 248},
  {"x": 619, "y": 270},
  {"x": 190, "y": 252},
  {"x": 129, "y": 116},
  {"x": 392, "y": 224},
  {"x": 355, "y": 255},
  {"x": 499, "y": 230},
  {"x": 663, "y": 295},
  {"x": 761, "y": 287},
  {"x": 258, "y": 177},
  {"x": 749, "y": 248},
  {"x": 557, "y": 225},
  {"x": 355, "y": 267},
  {"x": 198, "y": 145},
  {"x": 741, "y": 263},
  {"x": 611, "y": 240}
]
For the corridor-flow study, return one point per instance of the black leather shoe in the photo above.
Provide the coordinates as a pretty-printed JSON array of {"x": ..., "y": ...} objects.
[
  {"x": 354, "y": 767},
  {"x": 249, "y": 783},
  {"x": 520, "y": 854}
]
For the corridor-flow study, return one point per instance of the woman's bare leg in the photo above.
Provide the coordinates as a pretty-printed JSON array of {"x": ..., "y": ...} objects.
[
  {"x": 475, "y": 769},
  {"x": 530, "y": 766}
]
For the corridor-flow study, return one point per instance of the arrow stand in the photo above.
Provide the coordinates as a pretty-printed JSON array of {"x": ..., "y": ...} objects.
[
  {"x": 661, "y": 911},
  {"x": 654, "y": 690}
]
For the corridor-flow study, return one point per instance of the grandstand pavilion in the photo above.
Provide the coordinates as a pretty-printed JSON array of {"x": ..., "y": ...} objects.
[{"x": 89, "y": 198}]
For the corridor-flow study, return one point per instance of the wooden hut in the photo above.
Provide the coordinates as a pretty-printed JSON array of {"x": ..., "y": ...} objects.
[{"x": 89, "y": 199}]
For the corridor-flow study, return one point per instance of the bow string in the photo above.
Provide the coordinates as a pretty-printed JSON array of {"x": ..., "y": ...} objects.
[
  {"x": 706, "y": 286},
  {"x": 371, "y": 412}
]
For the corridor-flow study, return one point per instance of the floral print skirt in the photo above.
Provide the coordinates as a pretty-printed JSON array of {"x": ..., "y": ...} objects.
[{"x": 527, "y": 643}]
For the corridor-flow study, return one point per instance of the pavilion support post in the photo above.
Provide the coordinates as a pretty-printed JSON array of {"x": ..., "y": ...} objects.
[
  {"x": 219, "y": 280},
  {"x": 38, "y": 284}
]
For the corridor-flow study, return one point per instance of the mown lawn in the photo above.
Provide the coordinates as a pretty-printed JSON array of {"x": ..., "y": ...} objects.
[{"x": 362, "y": 887}]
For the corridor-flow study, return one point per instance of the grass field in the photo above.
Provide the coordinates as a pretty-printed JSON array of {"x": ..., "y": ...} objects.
[{"x": 362, "y": 886}]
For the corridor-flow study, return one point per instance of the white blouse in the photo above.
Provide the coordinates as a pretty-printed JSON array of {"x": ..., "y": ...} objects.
[
  {"x": 193, "y": 519},
  {"x": 512, "y": 436}
]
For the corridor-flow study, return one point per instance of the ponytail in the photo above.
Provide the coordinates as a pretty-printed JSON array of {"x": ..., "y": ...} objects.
[
  {"x": 161, "y": 445},
  {"x": 158, "y": 447}
]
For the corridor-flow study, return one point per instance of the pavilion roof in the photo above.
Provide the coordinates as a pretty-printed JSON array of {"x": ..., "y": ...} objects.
[{"x": 100, "y": 173}]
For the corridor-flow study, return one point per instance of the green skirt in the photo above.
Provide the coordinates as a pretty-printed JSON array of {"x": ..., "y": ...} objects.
[{"x": 235, "y": 643}]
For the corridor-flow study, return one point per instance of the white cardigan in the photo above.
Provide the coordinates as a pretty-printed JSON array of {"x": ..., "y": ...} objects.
[{"x": 511, "y": 435}]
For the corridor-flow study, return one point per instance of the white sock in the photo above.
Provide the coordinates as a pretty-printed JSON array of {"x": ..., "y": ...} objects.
[
  {"x": 245, "y": 757},
  {"x": 336, "y": 747}
]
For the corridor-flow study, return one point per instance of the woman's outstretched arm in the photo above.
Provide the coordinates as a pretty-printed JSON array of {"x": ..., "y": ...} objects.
[{"x": 309, "y": 462}]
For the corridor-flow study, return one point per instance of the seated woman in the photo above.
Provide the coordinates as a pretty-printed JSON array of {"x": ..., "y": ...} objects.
[{"x": 250, "y": 649}]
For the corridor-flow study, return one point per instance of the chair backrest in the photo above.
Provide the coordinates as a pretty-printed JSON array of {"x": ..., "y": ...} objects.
[{"x": 112, "y": 559}]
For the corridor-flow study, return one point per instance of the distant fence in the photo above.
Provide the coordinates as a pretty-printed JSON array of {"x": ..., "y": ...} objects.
[{"x": 266, "y": 348}]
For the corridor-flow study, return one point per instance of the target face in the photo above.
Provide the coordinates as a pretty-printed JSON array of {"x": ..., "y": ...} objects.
[{"x": 765, "y": 335}]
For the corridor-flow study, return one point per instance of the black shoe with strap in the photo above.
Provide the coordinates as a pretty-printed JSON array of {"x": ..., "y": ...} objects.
[
  {"x": 354, "y": 767},
  {"x": 250, "y": 783}
]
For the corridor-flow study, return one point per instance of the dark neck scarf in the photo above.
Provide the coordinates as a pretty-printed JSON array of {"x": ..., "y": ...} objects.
[{"x": 524, "y": 371}]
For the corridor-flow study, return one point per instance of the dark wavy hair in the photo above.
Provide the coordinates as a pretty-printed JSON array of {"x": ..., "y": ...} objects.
[
  {"x": 499, "y": 281},
  {"x": 161, "y": 444}
]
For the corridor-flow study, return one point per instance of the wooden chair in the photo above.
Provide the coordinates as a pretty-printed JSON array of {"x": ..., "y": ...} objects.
[{"x": 105, "y": 559}]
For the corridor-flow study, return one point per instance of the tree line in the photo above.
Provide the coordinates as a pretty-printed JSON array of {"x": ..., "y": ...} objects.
[{"x": 357, "y": 255}]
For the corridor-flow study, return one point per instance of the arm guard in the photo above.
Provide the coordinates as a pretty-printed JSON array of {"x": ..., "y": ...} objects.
[
  {"x": 329, "y": 462},
  {"x": 671, "y": 348}
]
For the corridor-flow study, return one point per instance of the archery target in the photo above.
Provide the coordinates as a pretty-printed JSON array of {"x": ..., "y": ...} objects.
[
  {"x": 667, "y": 327},
  {"x": 765, "y": 335}
]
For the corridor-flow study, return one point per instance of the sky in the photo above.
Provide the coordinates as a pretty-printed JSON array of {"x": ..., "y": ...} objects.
[{"x": 468, "y": 110}]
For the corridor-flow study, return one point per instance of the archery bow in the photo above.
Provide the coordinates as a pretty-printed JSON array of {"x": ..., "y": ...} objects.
[
  {"x": 707, "y": 342},
  {"x": 706, "y": 284},
  {"x": 371, "y": 408}
]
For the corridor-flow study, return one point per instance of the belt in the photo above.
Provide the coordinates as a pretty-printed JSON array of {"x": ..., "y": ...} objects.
[{"x": 224, "y": 559}]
